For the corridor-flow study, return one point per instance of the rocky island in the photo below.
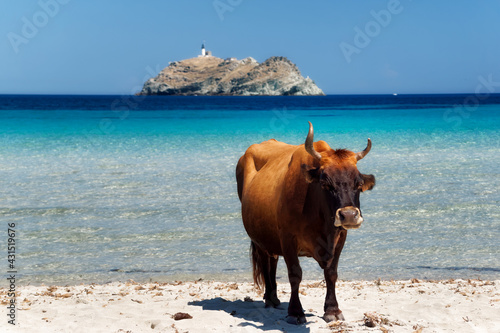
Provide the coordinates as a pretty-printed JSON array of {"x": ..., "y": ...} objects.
[{"x": 209, "y": 75}]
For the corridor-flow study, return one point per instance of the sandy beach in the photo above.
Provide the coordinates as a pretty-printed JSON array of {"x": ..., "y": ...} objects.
[{"x": 208, "y": 306}]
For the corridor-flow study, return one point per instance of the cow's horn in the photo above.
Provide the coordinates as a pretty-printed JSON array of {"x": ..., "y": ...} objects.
[
  {"x": 309, "y": 143},
  {"x": 363, "y": 153}
]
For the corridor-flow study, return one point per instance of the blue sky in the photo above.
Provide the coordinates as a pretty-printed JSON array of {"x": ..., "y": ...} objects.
[{"x": 347, "y": 47}]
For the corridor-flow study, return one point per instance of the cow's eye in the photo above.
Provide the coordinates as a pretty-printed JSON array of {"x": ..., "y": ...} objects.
[
  {"x": 327, "y": 187},
  {"x": 360, "y": 185}
]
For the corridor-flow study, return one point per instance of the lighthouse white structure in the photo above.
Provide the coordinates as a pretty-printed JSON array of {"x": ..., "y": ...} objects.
[{"x": 204, "y": 52}]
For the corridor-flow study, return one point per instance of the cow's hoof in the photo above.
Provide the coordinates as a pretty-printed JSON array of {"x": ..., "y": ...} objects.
[
  {"x": 333, "y": 317},
  {"x": 296, "y": 320},
  {"x": 273, "y": 302}
]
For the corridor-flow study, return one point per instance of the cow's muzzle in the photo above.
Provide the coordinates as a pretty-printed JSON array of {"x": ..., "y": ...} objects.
[{"x": 348, "y": 218}]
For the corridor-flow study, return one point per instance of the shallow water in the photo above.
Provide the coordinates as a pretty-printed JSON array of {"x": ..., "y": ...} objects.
[{"x": 103, "y": 191}]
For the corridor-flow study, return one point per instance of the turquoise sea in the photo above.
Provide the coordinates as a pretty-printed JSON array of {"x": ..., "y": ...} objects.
[{"x": 107, "y": 188}]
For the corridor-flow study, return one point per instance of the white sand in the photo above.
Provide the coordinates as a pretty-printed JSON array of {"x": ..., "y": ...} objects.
[{"x": 400, "y": 306}]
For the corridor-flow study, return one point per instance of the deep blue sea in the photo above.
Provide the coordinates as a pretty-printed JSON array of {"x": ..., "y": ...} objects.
[{"x": 108, "y": 188}]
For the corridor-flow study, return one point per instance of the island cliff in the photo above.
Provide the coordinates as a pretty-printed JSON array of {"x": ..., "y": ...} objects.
[{"x": 210, "y": 75}]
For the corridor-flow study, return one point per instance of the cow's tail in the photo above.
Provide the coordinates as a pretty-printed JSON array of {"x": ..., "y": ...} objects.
[{"x": 257, "y": 262}]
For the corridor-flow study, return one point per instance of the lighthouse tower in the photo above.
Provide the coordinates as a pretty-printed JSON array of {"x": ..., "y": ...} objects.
[{"x": 203, "y": 52}]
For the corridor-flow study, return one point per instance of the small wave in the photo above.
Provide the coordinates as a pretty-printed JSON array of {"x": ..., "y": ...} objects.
[
  {"x": 134, "y": 270},
  {"x": 118, "y": 270},
  {"x": 38, "y": 211},
  {"x": 461, "y": 268}
]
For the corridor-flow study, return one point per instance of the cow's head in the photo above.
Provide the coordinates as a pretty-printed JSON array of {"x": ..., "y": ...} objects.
[{"x": 335, "y": 171}]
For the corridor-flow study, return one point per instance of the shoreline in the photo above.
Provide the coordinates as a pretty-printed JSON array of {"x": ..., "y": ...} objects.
[
  {"x": 397, "y": 306},
  {"x": 237, "y": 277}
]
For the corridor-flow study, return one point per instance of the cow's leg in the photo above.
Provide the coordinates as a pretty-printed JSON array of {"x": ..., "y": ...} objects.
[
  {"x": 332, "y": 311},
  {"x": 264, "y": 270},
  {"x": 295, "y": 312},
  {"x": 271, "y": 294}
]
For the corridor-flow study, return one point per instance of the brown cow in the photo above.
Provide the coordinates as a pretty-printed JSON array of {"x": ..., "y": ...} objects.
[{"x": 299, "y": 201}]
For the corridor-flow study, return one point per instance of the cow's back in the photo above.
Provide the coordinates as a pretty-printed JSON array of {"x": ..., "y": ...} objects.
[{"x": 260, "y": 174}]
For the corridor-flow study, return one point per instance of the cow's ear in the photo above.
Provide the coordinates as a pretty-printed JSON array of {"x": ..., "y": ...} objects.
[
  {"x": 368, "y": 182},
  {"x": 310, "y": 173}
]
